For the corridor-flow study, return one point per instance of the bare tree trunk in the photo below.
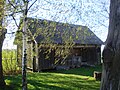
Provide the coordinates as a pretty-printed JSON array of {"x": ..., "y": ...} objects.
[
  {"x": 2, "y": 37},
  {"x": 2, "y": 82},
  {"x": 24, "y": 59},
  {"x": 111, "y": 52}
]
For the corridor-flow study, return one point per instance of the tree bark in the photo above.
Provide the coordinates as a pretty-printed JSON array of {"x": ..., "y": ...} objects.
[
  {"x": 2, "y": 36},
  {"x": 24, "y": 59},
  {"x": 2, "y": 82},
  {"x": 111, "y": 52}
]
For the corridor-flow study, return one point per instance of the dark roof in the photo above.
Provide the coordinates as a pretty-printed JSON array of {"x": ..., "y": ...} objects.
[{"x": 56, "y": 32}]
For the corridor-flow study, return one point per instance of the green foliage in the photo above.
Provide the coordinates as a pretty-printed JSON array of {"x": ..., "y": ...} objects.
[
  {"x": 18, "y": 39},
  {"x": 1, "y": 17},
  {"x": 9, "y": 61},
  {"x": 74, "y": 79}
]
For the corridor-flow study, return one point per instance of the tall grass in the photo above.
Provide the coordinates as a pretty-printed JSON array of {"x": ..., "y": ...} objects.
[{"x": 9, "y": 61}]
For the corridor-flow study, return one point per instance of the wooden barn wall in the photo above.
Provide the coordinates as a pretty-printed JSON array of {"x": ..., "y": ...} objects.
[
  {"x": 30, "y": 56},
  {"x": 19, "y": 55},
  {"x": 46, "y": 60},
  {"x": 90, "y": 55}
]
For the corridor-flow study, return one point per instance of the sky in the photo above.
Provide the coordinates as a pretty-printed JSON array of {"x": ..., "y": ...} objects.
[{"x": 91, "y": 13}]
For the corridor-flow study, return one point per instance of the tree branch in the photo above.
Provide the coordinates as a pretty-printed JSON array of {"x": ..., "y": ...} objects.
[
  {"x": 15, "y": 20},
  {"x": 105, "y": 15},
  {"x": 12, "y": 4},
  {"x": 32, "y": 4},
  {"x": 48, "y": 2},
  {"x": 15, "y": 12},
  {"x": 11, "y": 33},
  {"x": 102, "y": 24},
  {"x": 24, "y": 1}
]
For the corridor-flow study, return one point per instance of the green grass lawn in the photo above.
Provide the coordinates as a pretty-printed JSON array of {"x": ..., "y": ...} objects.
[{"x": 74, "y": 79}]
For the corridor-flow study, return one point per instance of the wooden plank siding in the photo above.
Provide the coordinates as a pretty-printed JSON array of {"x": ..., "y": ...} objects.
[
  {"x": 41, "y": 60},
  {"x": 46, "y": 60},
  {"x": 89, "y": 55}
]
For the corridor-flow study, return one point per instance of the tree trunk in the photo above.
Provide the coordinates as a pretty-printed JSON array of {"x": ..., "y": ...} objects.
[
  {"x": 2, "y": 36},
  {"x": 24, "y": 59},
  {"x": 2, "y": 82},
  {"x": 111, "y": 52}
]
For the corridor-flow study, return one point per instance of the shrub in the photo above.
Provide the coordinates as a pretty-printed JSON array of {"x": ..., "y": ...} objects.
[{"x": 9, "y": 61}]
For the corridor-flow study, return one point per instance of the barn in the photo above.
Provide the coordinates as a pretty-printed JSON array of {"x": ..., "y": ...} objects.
[{"x": 58, "y": 45}]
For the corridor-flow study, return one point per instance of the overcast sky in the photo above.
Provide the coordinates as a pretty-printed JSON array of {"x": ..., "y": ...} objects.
[{"x": 91, "y": 13}]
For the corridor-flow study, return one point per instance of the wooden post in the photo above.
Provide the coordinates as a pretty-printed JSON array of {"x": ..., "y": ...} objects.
[{"x": 97, "y": 75}]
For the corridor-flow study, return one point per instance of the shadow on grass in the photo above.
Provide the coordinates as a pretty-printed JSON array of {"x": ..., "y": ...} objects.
[
  {"x": 37, "y": 85},
  {"x": 33, "y": 84},
  {"x": 74, "y": 79},
  {"x": 13, "y": 82},
  {"x": 85, "y": 71},
  {"x": 52, "y": 81},
  {"x": 7, "y": 87},
  {"x": 56, "y": 81}
]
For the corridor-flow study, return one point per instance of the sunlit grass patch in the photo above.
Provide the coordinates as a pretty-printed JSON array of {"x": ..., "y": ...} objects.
[{"x": 59, "y": 80}]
